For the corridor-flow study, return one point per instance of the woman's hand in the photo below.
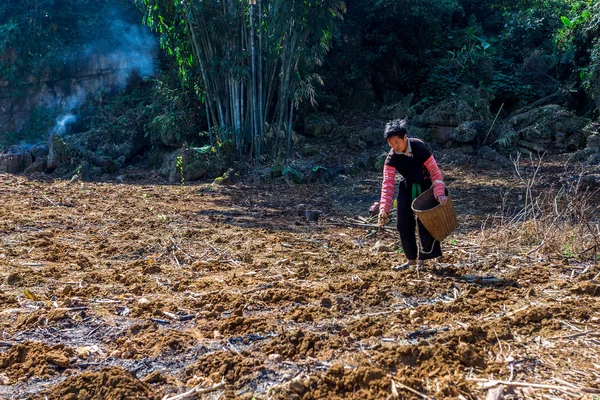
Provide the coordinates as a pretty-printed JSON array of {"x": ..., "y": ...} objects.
[
  {"x": 442, "y": 199},
  {"x": 383, "y": 218}
]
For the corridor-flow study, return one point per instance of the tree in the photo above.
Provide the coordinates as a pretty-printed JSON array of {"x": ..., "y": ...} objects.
[{"x": 247, "y": 59}]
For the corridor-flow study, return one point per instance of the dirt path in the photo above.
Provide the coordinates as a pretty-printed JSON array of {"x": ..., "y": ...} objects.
[{"x": 115, "y": 290}]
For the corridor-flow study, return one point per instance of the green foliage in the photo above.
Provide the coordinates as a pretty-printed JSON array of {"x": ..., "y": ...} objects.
[
  {"x": 250, "y": 64},
  {"x": 510, "y": 86},
  {"x": 296, "y": 175},
  {"x": 42, "y": 37},
  {"x": 179, "y": 165},
  {"x": 175, "y": 114},
  {"x": 520, "y": 50}
]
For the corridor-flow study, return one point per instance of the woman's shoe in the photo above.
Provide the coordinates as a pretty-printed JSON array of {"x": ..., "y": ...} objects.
[{"x": 402, "y": 267}]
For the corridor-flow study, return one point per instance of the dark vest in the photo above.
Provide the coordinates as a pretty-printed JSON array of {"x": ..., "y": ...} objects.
[{"x": 412, "y": 168}]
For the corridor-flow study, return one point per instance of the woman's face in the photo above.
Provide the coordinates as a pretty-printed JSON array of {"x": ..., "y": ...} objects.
[{"x": 398, "y": 144}]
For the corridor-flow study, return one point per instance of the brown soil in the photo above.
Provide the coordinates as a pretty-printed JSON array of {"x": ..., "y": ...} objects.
[
  {"x": 108, "y": 383},
  {"x": 145, "y": 290},
  {"x": 34, "y": 359}
]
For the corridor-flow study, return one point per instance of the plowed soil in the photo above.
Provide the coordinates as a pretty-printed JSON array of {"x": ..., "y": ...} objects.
[{"x": 138, "y": 289}]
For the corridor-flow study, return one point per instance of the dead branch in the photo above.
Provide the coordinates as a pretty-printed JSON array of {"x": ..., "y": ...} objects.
[
  {"x": 413, "y": 391},
  {"x": 586, "y": 333},
  {"x": 194, "y": 391}
]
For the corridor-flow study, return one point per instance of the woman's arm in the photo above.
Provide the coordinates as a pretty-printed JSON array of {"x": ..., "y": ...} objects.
[
  {"x": 387, "y": 188},
  {"x": 436, "y": 177}
]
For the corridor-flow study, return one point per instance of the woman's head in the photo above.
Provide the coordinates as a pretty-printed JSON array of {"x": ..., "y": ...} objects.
[
  {"x": 395, "y": 128},
  {"x": 395, "y": 134}
]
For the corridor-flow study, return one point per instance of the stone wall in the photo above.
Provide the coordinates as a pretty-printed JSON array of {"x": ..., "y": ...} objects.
[{"x": 61, "y": 94}]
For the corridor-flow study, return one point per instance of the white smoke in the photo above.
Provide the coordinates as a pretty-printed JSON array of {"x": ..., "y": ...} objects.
[
  {"x": 61, "y": 123},
  {"x": 134, "y": 53}
]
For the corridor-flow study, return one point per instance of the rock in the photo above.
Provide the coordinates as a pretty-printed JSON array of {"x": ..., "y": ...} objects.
[
  {"x": 116, "y": 354},
  {"x": 14, "y": 162},
  {"x": 275, "y": 357},
  {"x": 551, "y": 125},
  {"x": 469, "y": 105},
  {"x": 13, "y": 278},
  {"x": 355, "y": 142},
  {"x": 593, "y": 143},
  {"x": 319, "y": 124},
  {"x": 144, "y": 303},
  {"x": 39, "y": 165},
  {"x": 217, "y": 335},
  {"x": 190, "y": 164},
  {"x": 443, "y": 134},
  {"x": 469, "y": 131},
  {"x": 490, "y": 154},
  {"x": 229, "y": 177},
  {"x": 381, "y": 248},
  {"x": 58, "y": 152},
  {"x": 297, "y": 387},
  {"x": 590, "y": 180},
  {"x": 39, "y": 150},
  {"x": 399, "y": 110}
]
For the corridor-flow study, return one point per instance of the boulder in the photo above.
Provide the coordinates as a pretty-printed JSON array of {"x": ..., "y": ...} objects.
[
  {"x": 443, "y": 134},
  {"x": 39, "y": 150},
  {"x": 491, "y": 155},
  {"x": 552, "y": 126},
  {"x": 191, "y": 164},
  {"x": 355, "y": 142},
  {"x": 319, "y": 124},
  {"x": 469, "y": 131},
  {"x": 58, "y": 152},
  {"x": 593, "y": 143},
  {"x": 229, "y": 177},
  {"x": 14, "y": 162},
  {"x": 399, "y": 110},
  {"x": 469, "y": 105},
  {"x": 39, "y": 165}
]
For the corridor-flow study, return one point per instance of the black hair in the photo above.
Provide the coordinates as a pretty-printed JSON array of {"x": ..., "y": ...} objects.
[{"x": 395, "y": 128}]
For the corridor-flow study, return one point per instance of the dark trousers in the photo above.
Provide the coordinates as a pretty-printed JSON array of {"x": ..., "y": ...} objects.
[{"x": 405, "y": 223}]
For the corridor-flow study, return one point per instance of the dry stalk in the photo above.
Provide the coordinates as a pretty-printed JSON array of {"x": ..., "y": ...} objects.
[
  {"x": 196, "y": 390},
  {"x": 553, "y": 221}
]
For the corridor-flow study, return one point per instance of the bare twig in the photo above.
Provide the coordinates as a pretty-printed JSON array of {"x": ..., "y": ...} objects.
[
  {"x": 194, "y": 391},
  {"x": 413, "y": 391},
  {"x": 586, "y": 333}
]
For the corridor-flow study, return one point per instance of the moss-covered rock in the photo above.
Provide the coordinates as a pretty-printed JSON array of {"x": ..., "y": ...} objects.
[
  {"x": 14, "y": 162},
  {"x": 58, "y": 152},
  {"x": 191, "y": 164},
  {"x": 229, "y": 177},
  {"x": 551, "y": 125},
  {"x": 470, "y": 105},
  {"x": 469, "y": 131},
  {"x": 399, "y": 110},
  {"x": 319, "y": 124}
]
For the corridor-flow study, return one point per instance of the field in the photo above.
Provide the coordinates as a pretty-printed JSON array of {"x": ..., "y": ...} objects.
[{"x": 132, "y": 288}]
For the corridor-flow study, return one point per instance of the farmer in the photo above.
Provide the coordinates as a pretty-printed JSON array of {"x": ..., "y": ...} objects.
[{"x": 414, "y": 162}]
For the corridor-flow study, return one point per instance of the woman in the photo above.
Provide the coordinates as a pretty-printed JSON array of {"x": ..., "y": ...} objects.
[{"x": 412, "y": 159}]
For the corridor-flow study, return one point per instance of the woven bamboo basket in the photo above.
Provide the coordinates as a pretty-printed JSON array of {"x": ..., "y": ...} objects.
[{"x": 439, "y": 220}]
